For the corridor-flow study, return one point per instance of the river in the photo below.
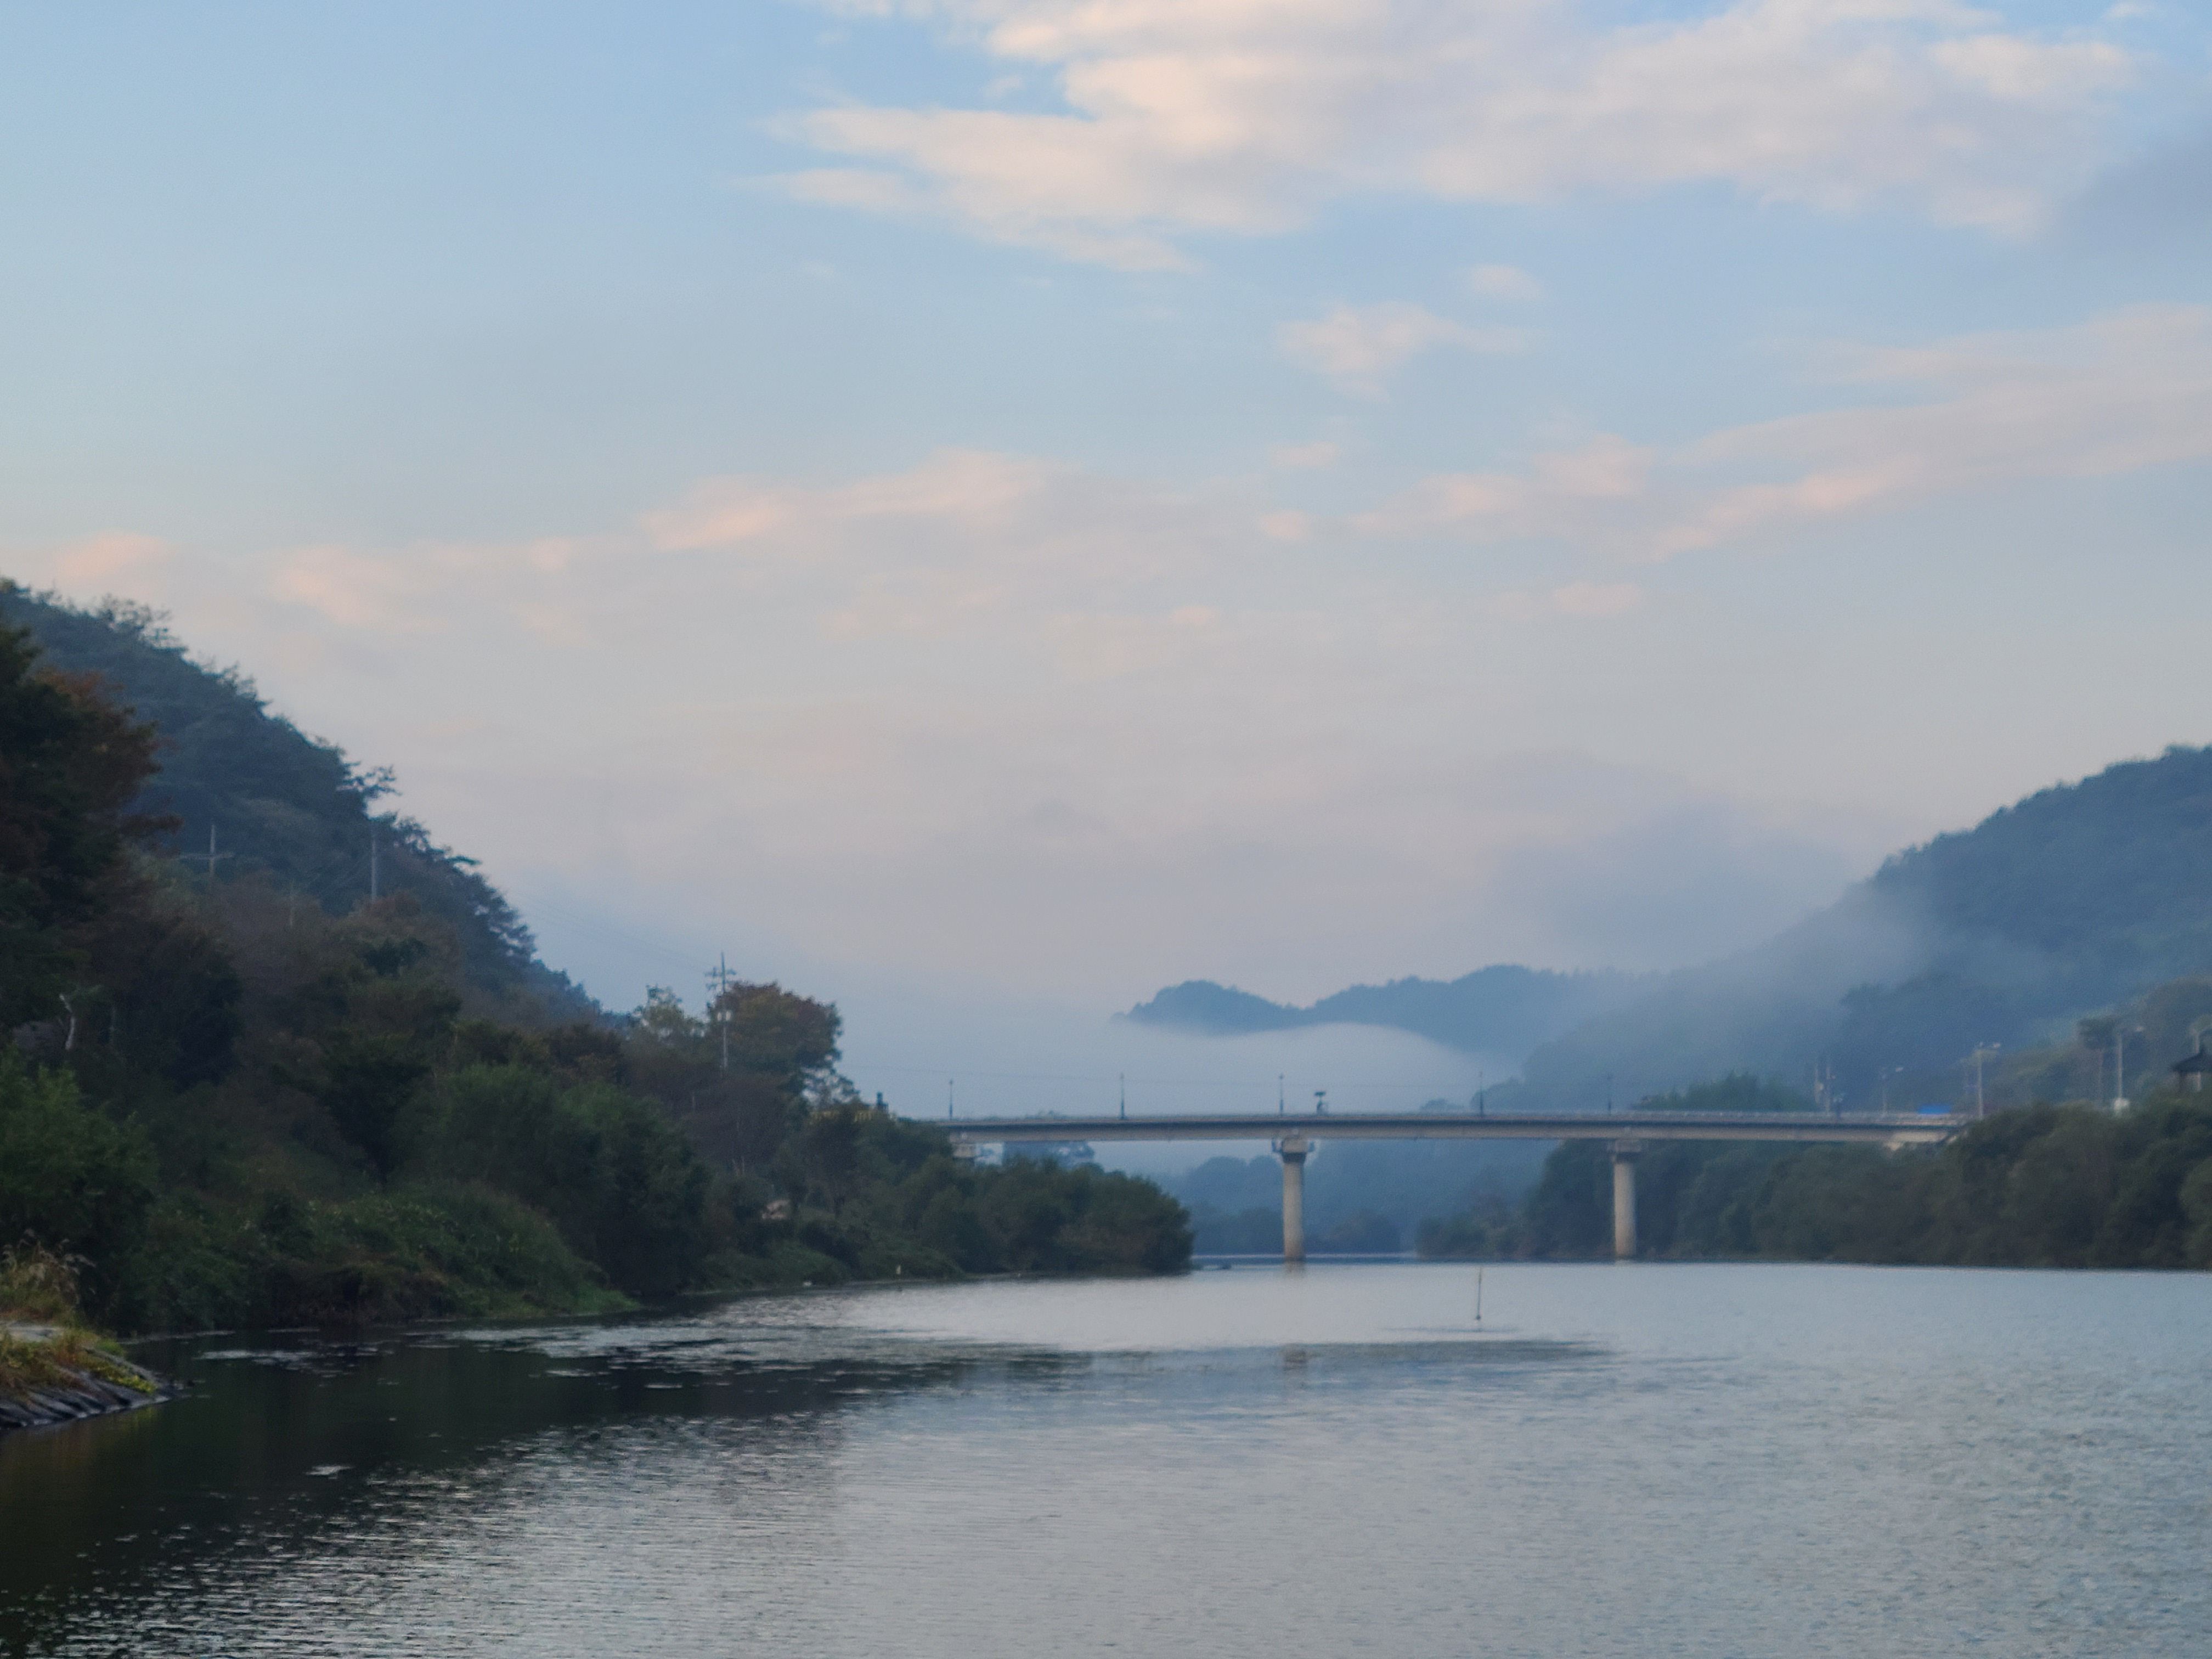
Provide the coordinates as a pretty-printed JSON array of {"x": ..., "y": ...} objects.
[{"x": 1631, "y": 1460}]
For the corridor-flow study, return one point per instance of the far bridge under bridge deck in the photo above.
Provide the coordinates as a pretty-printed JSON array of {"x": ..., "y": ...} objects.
[{"x": 1292, "y": 1138}]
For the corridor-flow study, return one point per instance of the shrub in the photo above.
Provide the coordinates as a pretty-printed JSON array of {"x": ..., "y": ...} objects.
[{"x": 71, "y": 1179}]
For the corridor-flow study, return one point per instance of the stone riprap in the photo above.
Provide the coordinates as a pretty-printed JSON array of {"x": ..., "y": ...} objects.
[{"x": 75, "y": 1392}]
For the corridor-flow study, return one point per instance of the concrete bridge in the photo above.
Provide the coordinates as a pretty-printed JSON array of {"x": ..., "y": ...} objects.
[{"x": 1291, "y": 1138}]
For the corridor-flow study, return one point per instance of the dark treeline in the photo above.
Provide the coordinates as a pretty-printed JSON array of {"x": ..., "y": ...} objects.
[
  {"x": 2037, "y": 1186},
  {"x": 223, "y": 1105}
]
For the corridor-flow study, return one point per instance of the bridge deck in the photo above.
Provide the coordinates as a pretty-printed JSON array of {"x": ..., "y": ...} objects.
[{"x": 1878, "y": 1130}]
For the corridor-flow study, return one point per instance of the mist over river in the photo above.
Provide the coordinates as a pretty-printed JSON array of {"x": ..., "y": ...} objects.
[{"x": 1632, "y": 1461}]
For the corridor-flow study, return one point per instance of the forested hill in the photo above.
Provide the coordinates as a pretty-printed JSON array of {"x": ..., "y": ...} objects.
[
  {"x": 223, "y": 1103},
  {"x": 2062, "y": 905},
  {"x": 2110, "y": 877},
  {"x": 1505, "y": 1010},
  {"x": 2067, "y": 904},
  {"x": 281, "y": 803}
]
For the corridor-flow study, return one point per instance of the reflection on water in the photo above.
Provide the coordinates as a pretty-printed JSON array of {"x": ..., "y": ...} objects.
[{"x": 1621, "y": 1461}]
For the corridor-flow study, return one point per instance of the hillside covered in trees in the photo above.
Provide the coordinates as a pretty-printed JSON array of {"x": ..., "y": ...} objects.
[
  {"x": 277, "y": 803},
  {"x": 2069, "y": 903},
  {"x": 243, "y": 1092},
  {"x": 2064, "y": 905},
  {"x": 2045, "y": 1181}
]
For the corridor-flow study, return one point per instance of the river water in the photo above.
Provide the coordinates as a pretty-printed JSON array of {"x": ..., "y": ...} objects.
[{"x": 1632, "y": 1461}]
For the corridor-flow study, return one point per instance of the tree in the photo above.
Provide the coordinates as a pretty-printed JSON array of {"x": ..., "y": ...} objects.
[
  {"x": 777, "y": 1031},
  {"x": 70, "y": 765}
]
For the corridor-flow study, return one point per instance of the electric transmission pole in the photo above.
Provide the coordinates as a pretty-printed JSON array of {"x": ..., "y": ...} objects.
[
  {"x": 209, "y": 858},
  {"x": 718, "y": 981}
]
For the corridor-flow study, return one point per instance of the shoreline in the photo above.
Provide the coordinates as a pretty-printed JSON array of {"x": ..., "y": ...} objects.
[{"x": 91, "y": 1382}]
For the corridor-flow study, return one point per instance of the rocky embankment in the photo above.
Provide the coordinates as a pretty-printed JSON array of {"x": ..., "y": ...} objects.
[{"x": 47, "y": 1377}]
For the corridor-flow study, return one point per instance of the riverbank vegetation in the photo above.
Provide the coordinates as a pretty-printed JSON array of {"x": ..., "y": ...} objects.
[
  {"x": 47, "y": 1347},
  {"x": 230, "y": 1098},
  {"x": 2044, "y": 1185}
]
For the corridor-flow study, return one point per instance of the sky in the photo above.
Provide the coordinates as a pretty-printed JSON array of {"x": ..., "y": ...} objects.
[{"x": 983, "y": 509}]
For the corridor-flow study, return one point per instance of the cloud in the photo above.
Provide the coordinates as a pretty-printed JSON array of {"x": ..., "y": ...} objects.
[
  {"x": 944, "y": 718},
  {"x": 1577, "y": 598},
  {"x": 355, "y": 590},
  {"x": 99, "y": 560},
  {"x": 1305, "y": 458},
  {"x": 421, "y": 588},
  {"x": 1675, "y": 877},
  {"x": 973, "y": 489},
  {"x": 1358, "y": 346},
  {"x": 964, "y": 542},
  {"x": 1588, "y": 599},
  {"x": 1504, "y": 283},
  {"x": 2121, "y": 393},
  {"x": 1580, "y": 494},
  {"x": 1230, "y": 115}
]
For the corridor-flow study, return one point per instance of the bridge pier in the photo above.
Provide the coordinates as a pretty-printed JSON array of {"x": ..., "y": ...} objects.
[
  {"x": 1625, "y": 1153},
  {"x": 1292, "y": 1149}
]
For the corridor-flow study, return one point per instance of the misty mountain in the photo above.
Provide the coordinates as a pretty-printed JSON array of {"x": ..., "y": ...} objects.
[
  {"x": 1504, "y": 1010},
  {"x": 282, "y": 805},
  {"x": 2067, "y": 902}
]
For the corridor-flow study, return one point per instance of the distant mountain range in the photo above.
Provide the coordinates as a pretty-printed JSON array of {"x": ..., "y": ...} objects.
[
  {"x": 2065, "y": 904},
  {"x": 1503, "y": 1010}
]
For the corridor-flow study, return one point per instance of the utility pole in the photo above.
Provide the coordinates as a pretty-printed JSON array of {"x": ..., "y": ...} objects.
[
  {"x": 2120, "y": 1065},
  {"x": 1824, "y": 1086},
  {"x": 718, "y": 981},
  {"x": 948, "y": 1097},
  {"x": 1981, "y": 1051},
  {"x": 209, "y": 858},
  {"x": 1124, "y": 1094},
  {"x": 375, "y": 885}
]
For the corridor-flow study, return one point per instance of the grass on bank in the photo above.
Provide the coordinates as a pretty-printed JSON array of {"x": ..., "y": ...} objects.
[{"x": 38, "y": 1289}]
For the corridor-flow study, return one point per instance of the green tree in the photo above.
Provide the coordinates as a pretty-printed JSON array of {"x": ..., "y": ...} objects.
[
  {"x": 70, "y": 1179},
  {"x": 70, "y": 765}
]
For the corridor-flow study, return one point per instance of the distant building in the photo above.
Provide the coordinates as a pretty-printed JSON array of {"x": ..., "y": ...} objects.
[{"x": 2190, "y": 1072}]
